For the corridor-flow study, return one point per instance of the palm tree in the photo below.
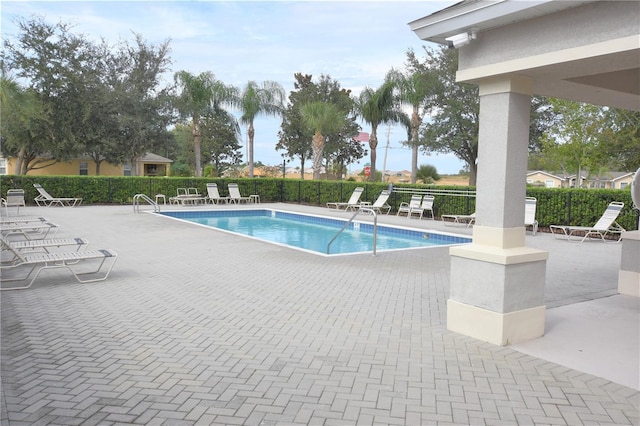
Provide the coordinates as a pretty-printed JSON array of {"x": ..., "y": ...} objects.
[
  {"x": 428, "y": 173},
  {"x": 322, "y": 117},
  {"x": 268, "y": 99},
  {"x": 416, "y": 90},
  {"x": 200, "y": 94},
  {"x": 376, "y": 107}
]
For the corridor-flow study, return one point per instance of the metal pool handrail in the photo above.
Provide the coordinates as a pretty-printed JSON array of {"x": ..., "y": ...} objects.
[
  {"x": 136, "y": 203},
  {"x": 375, "y": 227}
]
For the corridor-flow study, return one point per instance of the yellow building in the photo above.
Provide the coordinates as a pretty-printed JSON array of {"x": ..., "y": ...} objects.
[{"x": 148, "y": 165}]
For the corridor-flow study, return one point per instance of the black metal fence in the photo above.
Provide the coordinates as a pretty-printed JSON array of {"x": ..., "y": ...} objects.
[{"x": 554, "y": 206}]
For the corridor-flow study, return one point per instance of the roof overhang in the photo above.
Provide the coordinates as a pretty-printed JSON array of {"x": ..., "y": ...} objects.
[
  {"x": 606, "y": 72},
  {"x": 473, "y": 15}
]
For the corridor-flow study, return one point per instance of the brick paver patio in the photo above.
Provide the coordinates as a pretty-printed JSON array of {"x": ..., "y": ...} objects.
[{"x": 196, "y": 326}]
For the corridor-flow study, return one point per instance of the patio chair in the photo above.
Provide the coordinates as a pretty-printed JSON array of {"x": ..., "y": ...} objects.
[
  {"x": 380, "y": 204},
  {"x": 234, "y": 194},
  {"x": 414, "y": 203},
  {"x": 7, "y": 220},
  {"x": 30, "y": 246},
  {"x": 15, "y": 198},
  {"x": 213, "y": 196},
  {"x": 605, "y": 226},
  {"x": 426, "y": 206},
  {"x": 530, "y": 214},
  {"x": 44, "y": 199},
  {"x": 187, "y": 196},
  {"x": 72, "y": 261},
  {"x": 465, "y": 219},
  {"x": 30, "y": 230},
  {"x": 353, "y": 203}
]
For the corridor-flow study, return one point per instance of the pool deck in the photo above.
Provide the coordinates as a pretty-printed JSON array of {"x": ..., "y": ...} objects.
[{"x": 198, "y": 326}]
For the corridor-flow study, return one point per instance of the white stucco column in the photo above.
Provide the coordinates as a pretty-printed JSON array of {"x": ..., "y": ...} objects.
[
  {"x": 497, "y": 284},
  {"x": 629, "y": 274}
]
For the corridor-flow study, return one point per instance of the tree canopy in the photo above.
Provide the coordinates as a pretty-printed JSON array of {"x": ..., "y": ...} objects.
[
  {"x": 295, "y": 137},
  {"x": 86, "y": 98}
]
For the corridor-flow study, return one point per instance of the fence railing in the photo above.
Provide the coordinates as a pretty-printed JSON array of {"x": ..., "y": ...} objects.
[{"x": 554, "y": 206}]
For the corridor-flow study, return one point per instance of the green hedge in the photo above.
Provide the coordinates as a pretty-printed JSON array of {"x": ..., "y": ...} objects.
[{"x": 555, "y": 206}]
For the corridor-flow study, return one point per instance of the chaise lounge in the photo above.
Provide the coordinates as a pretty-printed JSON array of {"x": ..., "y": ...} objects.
[
  {"x": 380, "y": 204},
  {"x": 44, "y": 199},
  {"x": 604, "y": 227},
  {"x": 71, "y": 261}
]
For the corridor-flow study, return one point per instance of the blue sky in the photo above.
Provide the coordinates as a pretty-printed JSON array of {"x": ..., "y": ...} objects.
[{"x": 354, "y": 42}]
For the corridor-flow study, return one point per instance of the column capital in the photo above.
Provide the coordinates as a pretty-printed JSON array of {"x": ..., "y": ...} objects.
[{"x": 506, "y": 84}]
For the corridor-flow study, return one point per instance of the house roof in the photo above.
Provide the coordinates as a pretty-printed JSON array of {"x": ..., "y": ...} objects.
[
  {"x": 150, "y": 157},
  {"x": 534, "y": 172}
]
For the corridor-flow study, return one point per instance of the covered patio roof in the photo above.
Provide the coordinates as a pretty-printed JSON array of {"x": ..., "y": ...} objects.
[{"x": 548, "y": 41}]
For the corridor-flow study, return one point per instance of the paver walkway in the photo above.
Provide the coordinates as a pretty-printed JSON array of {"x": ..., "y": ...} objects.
[{"x": 196, "y": 326}]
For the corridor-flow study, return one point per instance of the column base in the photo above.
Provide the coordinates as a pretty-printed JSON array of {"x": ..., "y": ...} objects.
[
  {"x": 629, "y": 273},
  {"x": 494, "y": 327},
  {"x": 497, "y": 294},
  {"x": 629, "y": 283}
]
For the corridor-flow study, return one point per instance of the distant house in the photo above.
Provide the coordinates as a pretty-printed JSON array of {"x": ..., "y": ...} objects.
[
  {"x": 148, "y": 165},
  {"x": 610, "y": 180},
  {"x": 546, "y": 179},
  {"x": 573, "y": 178},
  {"x": 606, "y": 180}
]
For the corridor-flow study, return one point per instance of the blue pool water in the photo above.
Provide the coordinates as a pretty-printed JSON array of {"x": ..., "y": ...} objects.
[{"x": 313, "y": 233}]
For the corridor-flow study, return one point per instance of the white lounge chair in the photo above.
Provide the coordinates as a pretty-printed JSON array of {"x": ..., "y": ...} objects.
[
  {"x": 414, "y": 203},
  {"x": 15, "y": 198},
  {"x": 380, "y": 204},
  {"x": 30, "y": 246},
  {"x": 213, "y": 195},
  {"x": 530, "y": 214},
  {"x": 605, "y": 226},
  {"x": 44, "y": 199},
  {"x": 466, "y": 219},
  {"x": 352, "y": 204},
  {"x": 72, "y": 261},
  {"x": 30, "y": 230},
  {"x": 21, "y": 219},
  {"x": 426, "y": 206},
  {"x": 187, "y": 196},
  {"x": 234, "y": 194}
]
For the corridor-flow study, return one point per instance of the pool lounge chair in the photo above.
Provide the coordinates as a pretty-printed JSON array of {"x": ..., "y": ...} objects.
[
  {"x": 414, "y": 203},
  {"x": 530, "y": 214},
  {"x": 30, "y": 230},
  {"x": 15, "y": 198},
  {"x": 352, "y": 204},
  {"x": 73, "y": 261},
  {"x": 426, "y": 206},
  {"x": 235, "y": 196},
  {"x": 213, "y": 195},
  {"x": 186, "y": 196},
  {"x": 465, "y": 219},
  {"x": 46, "y": 245},
  {"x": 605, "y": 226},
  {"x": 44, "y": 199},
  {"x": 6, "y": 220},
  {"x": 380, "y": 204}
]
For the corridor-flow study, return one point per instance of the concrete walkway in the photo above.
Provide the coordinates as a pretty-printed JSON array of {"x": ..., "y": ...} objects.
[{"x": 197, "y": 326}]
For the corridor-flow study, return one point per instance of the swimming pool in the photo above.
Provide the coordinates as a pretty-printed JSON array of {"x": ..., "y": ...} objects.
[{"x": 313, "y": 233}]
